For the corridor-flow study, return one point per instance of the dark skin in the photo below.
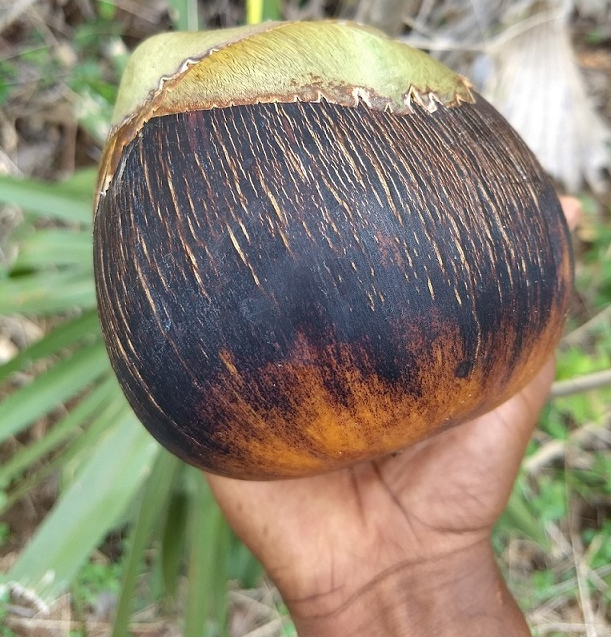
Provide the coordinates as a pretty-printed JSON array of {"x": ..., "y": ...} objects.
[{"x": 399, "y": 546}]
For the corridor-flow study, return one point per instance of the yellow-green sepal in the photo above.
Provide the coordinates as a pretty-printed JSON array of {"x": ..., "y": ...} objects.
[{"x": 340, "y": 62}]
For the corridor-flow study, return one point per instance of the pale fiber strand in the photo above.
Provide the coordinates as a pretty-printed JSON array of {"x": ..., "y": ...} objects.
[{"x": 581, "y": 570}]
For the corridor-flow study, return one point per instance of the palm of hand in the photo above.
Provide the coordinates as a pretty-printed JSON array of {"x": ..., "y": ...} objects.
[
  {"x": 330, "y": 537},
  {"x": 334, "y": 535}
]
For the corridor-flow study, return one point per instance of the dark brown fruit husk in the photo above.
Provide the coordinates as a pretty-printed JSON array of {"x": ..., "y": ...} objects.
[{"x": 286, "y": 289}]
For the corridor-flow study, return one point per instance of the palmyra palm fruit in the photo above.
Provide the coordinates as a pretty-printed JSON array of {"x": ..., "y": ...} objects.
[{"x": 315, "y": 246}]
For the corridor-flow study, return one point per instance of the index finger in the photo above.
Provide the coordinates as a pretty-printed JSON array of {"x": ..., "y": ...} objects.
[{"x": 572, "y": 210}]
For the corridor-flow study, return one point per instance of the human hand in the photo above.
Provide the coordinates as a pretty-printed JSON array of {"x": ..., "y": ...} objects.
[{"x": 399, "y": 545}]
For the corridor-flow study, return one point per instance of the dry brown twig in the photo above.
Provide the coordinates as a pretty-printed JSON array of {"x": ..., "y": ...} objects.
[
  {"x": 582, "y": 570},
  {"x": 579, "y": 335},
  {"x": 555, "y": 450},
  {"x": 581, "y": 384}
]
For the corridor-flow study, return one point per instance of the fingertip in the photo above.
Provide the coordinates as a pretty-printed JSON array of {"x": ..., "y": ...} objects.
[{"x": 573, "y": 211}]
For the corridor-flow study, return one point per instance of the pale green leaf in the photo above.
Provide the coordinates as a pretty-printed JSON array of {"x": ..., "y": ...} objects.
[
  {"x": 47, "y": 293},
  {"x": 121, "y": 460},
  {"x": 49, "y": 390},
  {"x": 69, "y": 333},
  {"x": 172, "y": 543},
  {"x": 90, "y": 406},
  {"x": 206, "y": 611},
  {"x": 184, "y": 14},
  {"x": 154, "y": 500},
  {"x": 81, "y": 183},
  {"x": 54, "y": 247},
  {"x": 520, "y": 517},
  {"x": 75, "y": 455},
  {"x": 47, "y": 199}
]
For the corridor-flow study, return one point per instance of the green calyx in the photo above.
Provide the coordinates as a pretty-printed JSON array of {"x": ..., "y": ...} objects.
[{"x": 340, "y": 62}]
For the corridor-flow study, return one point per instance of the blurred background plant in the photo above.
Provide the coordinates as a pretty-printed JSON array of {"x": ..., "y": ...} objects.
[{"x": 102, "y": 532}]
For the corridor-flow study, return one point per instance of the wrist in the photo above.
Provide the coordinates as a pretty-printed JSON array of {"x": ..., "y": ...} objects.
[{"x": 456, "y": 595}]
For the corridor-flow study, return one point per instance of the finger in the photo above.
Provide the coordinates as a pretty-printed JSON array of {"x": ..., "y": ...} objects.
[
  {"x": 499, "y": 438},
  {"x": 572, "y": 210},
  {"x": 520, "y": 414}
]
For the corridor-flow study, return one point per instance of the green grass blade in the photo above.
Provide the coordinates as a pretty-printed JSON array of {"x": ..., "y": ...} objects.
[
  {"x": 49, "y": 390},
  {"x": 154, "y": 499},
  {"x": 518, "y": 516},
  {"x": 69, "y": 333},
  {"x": 243, "y": 566},
  {"x": 88, "y": 510},
  {"x": 76, "y": 453},
  {"x": 48, "y": 292},
  {"x": 47, "y": 199},
  {"x": 82, "y": 184},
  {"x": 173, "y": 542},
  {"x": 184, "y": 15},
  {"x": 206, "y": 611},
  {"x": 54, "y": 248},
  {"x": 71, "y": 425},
  {"x": 261, "y": 10}
]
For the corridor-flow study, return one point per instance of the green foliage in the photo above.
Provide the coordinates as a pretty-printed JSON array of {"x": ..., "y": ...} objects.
[
  {"x": 95, "y": 578},
  {"x": 153, "y": 500},
  {"x": 5, "y": 531},
  {"x": 184, "y": 15},
  {"x": 8, "y": 76},
  {"x": 113, "y": 474},
  {"x": 544, "y": 499},
  {"x": 288, "y": 628},
  {"x": 92, "y": 77},
  {"x": 5, "y": 631},
  {"x": 95, "y": 81},
  {"x": 519, "y": 518},
  {"x": 598, "y": 543},
  {"x": 263, "y": 10}
]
